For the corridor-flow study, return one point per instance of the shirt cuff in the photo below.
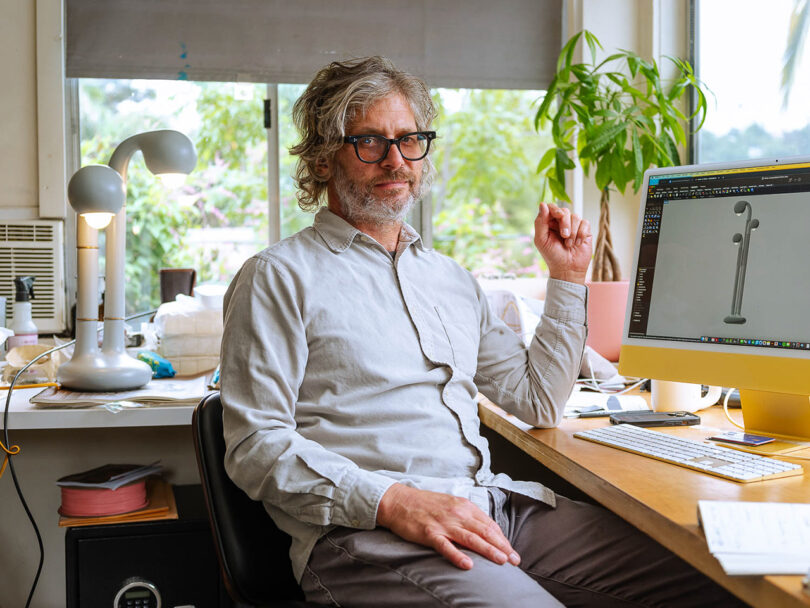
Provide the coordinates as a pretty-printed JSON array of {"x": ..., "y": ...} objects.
[
  {"x": 358, "y": 497},
  {"x": 566, "y": 302}
]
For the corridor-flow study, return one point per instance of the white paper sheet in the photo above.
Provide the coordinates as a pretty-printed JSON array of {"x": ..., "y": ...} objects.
[{"x": 757, "y": 537}]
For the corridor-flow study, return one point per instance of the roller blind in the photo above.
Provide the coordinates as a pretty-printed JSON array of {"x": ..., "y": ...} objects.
[{"x": 449, "y": 43}]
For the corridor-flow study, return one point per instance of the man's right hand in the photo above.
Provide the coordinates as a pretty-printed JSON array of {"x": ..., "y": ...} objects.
[{"x": 439, "y": 520}]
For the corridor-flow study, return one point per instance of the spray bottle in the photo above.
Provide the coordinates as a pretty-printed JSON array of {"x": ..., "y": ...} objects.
[{"x": 25, "y": 332}]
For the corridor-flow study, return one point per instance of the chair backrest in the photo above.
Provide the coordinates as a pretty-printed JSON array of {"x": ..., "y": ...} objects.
[
  {"x": 253, "y": 553},
  {"x": 174, "y": 281}
]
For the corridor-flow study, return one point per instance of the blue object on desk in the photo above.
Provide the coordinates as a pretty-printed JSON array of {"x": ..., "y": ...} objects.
[{"x": 161, "y": 367}]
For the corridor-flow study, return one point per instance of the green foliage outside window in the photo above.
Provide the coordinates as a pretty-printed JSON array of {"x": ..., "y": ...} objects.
[
  {"x": 487, "y": 190},
  {"x": 227, "y": 189}
]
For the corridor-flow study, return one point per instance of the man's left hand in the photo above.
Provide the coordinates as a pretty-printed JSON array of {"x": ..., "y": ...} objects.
[{"x": 565, "y": 241}]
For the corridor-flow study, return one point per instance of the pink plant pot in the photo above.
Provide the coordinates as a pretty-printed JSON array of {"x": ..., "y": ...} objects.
[{"x": 607, "y": 302}]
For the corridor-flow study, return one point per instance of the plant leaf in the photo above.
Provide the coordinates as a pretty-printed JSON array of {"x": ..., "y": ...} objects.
[
  {"x": 638, "y": 159},
  {"x": 546, "y": 160},
  {"x": 557, "y": 189},
  {"x": 601, "y": 137},
  {"x": 603, "y": 176}
]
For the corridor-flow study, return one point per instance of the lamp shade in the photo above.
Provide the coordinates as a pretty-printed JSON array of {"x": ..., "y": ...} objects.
[
  {"x": 96, "y": 189},
  {"x": 167, "y": 151}
]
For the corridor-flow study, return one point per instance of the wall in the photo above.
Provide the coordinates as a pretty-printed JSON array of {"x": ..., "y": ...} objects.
[{"x": 18, "y": 110}]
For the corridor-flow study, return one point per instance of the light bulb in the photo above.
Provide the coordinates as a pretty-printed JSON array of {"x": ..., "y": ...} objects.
[
  {"x": 172, "y": 180},
  {"x": 98, "y": 220}
]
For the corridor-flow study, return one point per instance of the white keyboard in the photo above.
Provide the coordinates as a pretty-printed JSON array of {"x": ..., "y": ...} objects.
[{"x": 703, "y": 457}]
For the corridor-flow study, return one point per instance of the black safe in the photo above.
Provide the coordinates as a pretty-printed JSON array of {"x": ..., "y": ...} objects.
[{"x": 128, "y": 564}]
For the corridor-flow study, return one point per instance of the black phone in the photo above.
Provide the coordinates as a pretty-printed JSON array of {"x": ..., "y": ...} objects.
[{"x": 648, "y": 418}]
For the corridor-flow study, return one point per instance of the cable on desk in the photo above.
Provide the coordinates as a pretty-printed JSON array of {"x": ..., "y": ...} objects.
[
  {"x": 593, "y": 384},
  {"x": 15, "y": 449},
  {"x": 735, "y": 423},
  {"x": 725, "y": 409}
]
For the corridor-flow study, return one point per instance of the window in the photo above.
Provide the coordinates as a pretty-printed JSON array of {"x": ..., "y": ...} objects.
[
  {"x": 293, "y": 218},
  {"x": 222, "y": 211},
  {"x": 741, "y": 49},
  {"x": 220, "y": 215},
  {"x": 487, "y": 191},
  {"x": 484, "y": 198}
]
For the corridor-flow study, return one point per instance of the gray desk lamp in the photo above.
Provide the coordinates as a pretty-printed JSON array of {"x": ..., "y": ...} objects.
[{"x": 98, "y": 193}]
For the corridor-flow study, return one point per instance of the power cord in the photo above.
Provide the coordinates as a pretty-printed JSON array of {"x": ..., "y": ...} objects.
[
  {"x": 13, "y": 450},
  {"x": 725, "y": 409},
  {"x": 593, "y": 384}
]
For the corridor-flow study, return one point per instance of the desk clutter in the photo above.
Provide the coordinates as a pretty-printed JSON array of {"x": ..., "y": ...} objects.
[
  {"x": 115, "y": 493},
  {"x": 188, "y": 331},
  {"x": 166, "y": 391},
  {"x": 42, "y": 371}
]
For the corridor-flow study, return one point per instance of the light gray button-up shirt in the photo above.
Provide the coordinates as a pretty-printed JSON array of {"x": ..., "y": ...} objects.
[{"x": 345, "y": 371}]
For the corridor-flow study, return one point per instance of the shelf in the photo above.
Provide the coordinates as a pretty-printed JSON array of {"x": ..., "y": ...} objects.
[{"x": 22, "y": 415}]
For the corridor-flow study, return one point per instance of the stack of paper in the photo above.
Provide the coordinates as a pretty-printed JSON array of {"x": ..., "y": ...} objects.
[
  {"x": 587, "y": 403},
  {"x": 109, "y": 476},
  {"x": 167, "y": 391},
  {"x": 757, "y": 537}
]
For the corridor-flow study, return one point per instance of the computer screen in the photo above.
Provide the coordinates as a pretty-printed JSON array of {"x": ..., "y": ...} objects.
[{"x": 720, "y": 286}]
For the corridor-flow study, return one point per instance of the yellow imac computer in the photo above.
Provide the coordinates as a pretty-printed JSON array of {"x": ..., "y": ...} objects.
[{"x": 720, "y": 286}]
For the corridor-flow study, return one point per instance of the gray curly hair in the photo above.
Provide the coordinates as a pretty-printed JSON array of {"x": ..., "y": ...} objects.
[{"x": 338, "y": 94}]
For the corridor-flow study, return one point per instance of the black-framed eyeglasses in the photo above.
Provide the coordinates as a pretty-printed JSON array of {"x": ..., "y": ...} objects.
[{"x": 373, "y": 148}]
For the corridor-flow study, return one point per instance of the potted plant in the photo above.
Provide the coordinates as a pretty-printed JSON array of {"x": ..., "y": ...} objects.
[{"x": 619, "y": 117}]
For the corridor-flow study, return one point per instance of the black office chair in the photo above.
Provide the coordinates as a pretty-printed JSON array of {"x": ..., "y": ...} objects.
[
  {"x": 253, "y": 553},
  {"x": 174, "y": 281}
]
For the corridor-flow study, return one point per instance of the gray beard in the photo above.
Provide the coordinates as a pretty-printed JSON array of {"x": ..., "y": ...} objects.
[{"x": 362, "y": 207}]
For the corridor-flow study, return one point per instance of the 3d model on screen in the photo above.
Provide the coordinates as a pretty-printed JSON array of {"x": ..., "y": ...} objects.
[{"x": 742, "y": 241}]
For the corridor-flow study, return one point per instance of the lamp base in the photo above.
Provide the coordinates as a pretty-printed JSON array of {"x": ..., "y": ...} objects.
[{"x": 103, "y": 372}]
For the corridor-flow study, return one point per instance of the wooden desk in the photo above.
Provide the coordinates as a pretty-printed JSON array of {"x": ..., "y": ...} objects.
[{"x": 657, "y": 497}]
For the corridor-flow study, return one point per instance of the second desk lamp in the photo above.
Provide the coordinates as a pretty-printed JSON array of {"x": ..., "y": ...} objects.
[{"x": 98, "y": 195}]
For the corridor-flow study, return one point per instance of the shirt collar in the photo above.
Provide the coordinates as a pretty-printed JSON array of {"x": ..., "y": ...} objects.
[{"x": 338, "y": 234}]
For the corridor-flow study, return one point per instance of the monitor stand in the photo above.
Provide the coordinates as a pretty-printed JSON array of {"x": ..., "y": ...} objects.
[{"x": 779, "y": 415}]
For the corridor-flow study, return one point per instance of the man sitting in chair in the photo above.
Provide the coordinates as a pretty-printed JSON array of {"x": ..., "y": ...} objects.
[{"x": 351, "y": 361}]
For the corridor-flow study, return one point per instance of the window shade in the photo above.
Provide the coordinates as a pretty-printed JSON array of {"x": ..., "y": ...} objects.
[{"x": 449, "y": 43}]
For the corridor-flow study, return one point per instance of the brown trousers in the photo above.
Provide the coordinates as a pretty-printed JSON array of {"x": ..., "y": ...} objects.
[{"x": 576, "y": 554}]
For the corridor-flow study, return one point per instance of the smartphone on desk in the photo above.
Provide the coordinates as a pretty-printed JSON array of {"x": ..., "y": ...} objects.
[
  {"x": 741, "y": 438},
  {"x": 648, "y": 418}
]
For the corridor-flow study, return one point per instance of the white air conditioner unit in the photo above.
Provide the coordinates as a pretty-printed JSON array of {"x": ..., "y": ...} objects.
[{"x": 35, "y": 247}]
